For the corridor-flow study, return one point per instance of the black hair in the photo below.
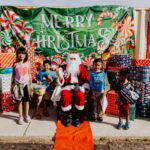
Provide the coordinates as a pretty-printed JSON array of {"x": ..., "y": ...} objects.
[
  {"x": 21, "y": 50},
  {"x": 124, "y": 72},
  {"x": 98, "y": 60},
  {"x": 46, "y": 62}
]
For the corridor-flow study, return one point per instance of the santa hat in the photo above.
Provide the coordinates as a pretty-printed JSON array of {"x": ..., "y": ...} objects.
[{"x": 74, "y": 55}]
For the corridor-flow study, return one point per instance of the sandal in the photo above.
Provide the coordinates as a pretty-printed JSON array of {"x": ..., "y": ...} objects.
[
  {"x": 37, "y": 115},
  {"x": 46, "y": 113}
]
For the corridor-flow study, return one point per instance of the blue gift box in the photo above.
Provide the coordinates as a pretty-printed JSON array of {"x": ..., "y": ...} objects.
[{"x": 8, "y": 70}]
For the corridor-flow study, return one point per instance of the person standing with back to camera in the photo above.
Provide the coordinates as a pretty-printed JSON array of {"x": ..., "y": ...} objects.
[{"x": 22, "y": 84}]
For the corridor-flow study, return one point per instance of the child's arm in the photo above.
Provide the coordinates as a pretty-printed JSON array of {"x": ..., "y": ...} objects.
[{"x": 39, "y": 78}]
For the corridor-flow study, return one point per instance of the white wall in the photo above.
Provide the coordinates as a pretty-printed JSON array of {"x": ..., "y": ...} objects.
[{"x": 142, "y": 17}]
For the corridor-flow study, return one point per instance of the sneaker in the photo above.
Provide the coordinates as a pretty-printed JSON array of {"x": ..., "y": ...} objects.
[
  {"x": 100, "y": 119},
  {"x": 93, "y": 119},
  {"x": 127, "y": 125},
  {"x": 27, "y": 119},
  {"x": 20, "y": 120},
  {"x": 119, "y": 126}
]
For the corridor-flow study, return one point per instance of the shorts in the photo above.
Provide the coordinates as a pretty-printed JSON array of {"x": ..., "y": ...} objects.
[
  {"x": 26, "y": 96},
  {"x": 124, "y": 109},
  {"x": 48, "y": 88}
]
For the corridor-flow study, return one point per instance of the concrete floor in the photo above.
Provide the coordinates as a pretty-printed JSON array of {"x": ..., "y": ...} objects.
[{"x": 46, "y": 127}]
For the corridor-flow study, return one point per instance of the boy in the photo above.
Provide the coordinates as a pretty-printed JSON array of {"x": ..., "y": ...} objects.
[
  {"x": 45, "y": 77},
  {"x": 123, "y": 104},
  {"x": 97, "y": 89}
]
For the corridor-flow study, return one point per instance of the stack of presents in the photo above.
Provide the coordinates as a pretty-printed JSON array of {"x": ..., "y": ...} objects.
[
  {"x": 6, "y": 62},
  {"x": 139, "y": 76}
]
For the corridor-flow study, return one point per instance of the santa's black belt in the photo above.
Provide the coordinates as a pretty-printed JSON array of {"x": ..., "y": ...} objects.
[{"x": 75, "y": 84}]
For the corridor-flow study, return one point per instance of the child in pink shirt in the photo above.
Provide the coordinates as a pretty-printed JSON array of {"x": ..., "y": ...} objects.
[{"x": 22, "y": 84}]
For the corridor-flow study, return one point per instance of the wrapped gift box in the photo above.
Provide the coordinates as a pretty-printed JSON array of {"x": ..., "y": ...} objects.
[
  {"x": 140, "y": 86},
  {"x": 117, "y": 68},
  {"x": 121, "y": 60},
  {"x": 6, "y": 102},
  {"x": 5, "y": 82},
  {"x": 8, "y": 70},
  {"x": 141, "y": 62},
  {"x": 147, "y": 91},
  {"x": 143, "y": 109},
  {"x": 7, "y": 59},
  {"x": 130, "y": 93},
  {"x": 132, "y": 112},
  {"x": 140, "y": 73},
  {"x": 112, "y": 107},
  {"x": 39, "y": 89}
]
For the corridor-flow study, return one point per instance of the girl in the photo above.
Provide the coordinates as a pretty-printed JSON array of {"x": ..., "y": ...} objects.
[
  {"x": 97, "y": 87},
  {"x": 22, "y": 84}
]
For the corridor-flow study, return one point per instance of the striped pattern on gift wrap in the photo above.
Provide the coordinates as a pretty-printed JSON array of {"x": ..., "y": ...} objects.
[
  {"x": 121, "y": 60},
  {"x": 140, "y": 73},
  {"x": 7, "y": 59},
  {"x": 141, "y": 62},
  {"x": 5, "y": 82}
]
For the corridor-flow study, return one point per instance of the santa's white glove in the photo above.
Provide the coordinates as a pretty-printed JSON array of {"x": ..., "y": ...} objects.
[
  {"x": 82, "y": 89},
  {"x": 60, "y": 73},
  {"x": 86, "y": 87}
]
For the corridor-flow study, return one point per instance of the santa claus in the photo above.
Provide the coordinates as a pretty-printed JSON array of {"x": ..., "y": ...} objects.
[{"x": 74, "y": 79}]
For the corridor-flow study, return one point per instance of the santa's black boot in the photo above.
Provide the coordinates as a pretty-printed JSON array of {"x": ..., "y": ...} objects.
[
  {"x": 67, "y": 118},
  {"x": 76, "y": 119}
]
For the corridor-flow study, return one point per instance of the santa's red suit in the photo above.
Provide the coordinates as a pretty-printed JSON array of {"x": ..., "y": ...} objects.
[{"x": 74, "y": 84}]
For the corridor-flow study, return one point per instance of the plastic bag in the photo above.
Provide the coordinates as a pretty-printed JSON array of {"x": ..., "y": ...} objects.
[{"x": 104, "y": 104}]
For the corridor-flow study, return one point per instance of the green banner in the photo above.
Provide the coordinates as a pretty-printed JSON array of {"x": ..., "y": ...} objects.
[{"x": 91, "y": 31}]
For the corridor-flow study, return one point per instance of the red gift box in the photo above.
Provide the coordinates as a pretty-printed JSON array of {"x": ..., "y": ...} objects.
[
  {"x": 7, "y": 59},
  {"x": 117, "y": 68},
  {"x": 141, "y": 62},
  {"x": 112, "y": 107},
  {"x": 7, "y": 104}
]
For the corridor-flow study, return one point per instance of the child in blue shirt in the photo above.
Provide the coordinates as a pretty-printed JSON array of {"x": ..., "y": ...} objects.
[
  {"x": 97, "y": 88},
  {"x": 45, "y": 77}
]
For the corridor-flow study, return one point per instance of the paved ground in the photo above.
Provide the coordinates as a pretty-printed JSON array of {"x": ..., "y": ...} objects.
[{"x": 47, "y": 127}]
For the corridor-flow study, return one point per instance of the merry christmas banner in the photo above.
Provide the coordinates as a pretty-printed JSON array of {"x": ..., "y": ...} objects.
[{"x": 91, "y": 31}]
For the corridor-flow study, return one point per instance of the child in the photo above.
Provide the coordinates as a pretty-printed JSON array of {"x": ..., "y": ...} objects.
[
  {"x": 97, "y": 87},
  {"x": 45, "y": 77},
  {"x": 22, "y": 83},
  {"x": 123, "y": 104}
]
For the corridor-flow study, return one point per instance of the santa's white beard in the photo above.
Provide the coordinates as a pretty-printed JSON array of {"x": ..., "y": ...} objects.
[{"x": 73, "y": 69}]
